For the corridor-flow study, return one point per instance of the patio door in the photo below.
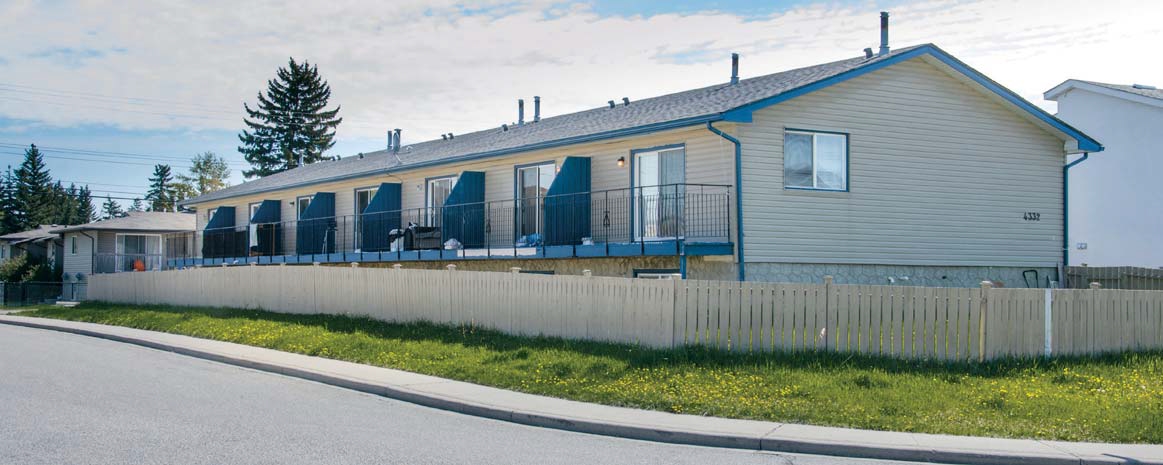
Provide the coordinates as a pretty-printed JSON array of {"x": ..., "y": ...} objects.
[
  {"x": 532, "y": 185},
  {"x": 138, "y": 252},
  {"x": 660, "y": 176},
  {"x": 363, "y": 198},
  {"x": 438, "y": 191}
]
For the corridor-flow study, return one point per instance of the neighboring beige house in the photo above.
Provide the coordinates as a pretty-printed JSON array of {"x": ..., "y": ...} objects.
[
  {"x": 136, "y": 242},
  {"x": 906, "y": 166},
  {"x": 40, "y": 243}
]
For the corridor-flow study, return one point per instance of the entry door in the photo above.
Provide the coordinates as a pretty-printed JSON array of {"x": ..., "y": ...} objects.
[{"x": 659, "y": 203}]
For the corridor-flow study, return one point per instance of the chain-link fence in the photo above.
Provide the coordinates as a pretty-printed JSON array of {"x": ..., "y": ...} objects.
[
  {"x": 1115, "y": 277},
  {"x": 29, "y": 293}
]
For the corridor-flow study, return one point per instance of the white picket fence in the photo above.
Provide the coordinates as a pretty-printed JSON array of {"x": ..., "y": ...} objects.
[{"x": 909, "y": 322}]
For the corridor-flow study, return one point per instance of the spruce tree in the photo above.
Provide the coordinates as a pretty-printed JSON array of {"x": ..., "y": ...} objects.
[
  {"x": 161, "y": 190},
  {"x": 9, "y": 216},
  {"x": 111, "y": 209},
  {"x": 290, "y": 125},
  {"x": 34, "y": 195},
  {"x": 85, "y": 211}
]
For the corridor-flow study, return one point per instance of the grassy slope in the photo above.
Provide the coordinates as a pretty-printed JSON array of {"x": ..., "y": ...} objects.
[{"x": 1117, "y": 398}]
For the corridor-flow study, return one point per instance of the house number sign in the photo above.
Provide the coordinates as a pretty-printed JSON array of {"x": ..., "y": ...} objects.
[{"x": 1032, "y": 216}]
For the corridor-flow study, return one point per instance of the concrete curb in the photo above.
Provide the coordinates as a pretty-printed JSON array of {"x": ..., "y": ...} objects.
[{"x": 534, "y": 410}]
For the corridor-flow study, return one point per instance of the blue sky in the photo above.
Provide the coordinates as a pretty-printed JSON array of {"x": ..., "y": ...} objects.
[{"x": 109, "y": 88}]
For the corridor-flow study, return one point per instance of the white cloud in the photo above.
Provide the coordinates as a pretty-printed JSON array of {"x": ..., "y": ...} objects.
[{"x": 437, "y": 67}]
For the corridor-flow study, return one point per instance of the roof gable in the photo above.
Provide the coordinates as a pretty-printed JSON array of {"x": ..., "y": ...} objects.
[{"x": 1152, "y": 97}]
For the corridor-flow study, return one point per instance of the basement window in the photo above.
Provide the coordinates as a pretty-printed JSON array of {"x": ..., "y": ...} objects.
[{"x": 815, "y": 160}]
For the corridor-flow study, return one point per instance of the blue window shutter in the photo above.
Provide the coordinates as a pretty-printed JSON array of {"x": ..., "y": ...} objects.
[
  {"x": 269, "y": 229},
  {"x": 380, "y": 217},
  {"x": 220, "y": 239},
  {"x": 464, "y": 211},
  {"x": 567, "y": 203},
  {"x": 315, "y": 233}
]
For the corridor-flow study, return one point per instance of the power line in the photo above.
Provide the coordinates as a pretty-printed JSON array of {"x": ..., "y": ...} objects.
[{"x": 58, "y": 157}]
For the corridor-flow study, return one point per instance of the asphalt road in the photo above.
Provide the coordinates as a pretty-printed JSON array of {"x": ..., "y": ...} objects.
[{"x": 69, "y": 399}]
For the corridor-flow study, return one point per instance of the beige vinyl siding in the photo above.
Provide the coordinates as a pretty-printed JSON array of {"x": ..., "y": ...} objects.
[
  {"x": 709, "y": 160},
  {"x": 82, "y": 261},
  {"x": 939, "y": 174}
]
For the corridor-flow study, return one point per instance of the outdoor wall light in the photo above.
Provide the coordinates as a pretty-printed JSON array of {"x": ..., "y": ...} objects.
[{"x": 621, "y": 161}]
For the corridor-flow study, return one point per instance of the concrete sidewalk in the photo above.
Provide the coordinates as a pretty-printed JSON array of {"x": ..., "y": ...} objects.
[{"x": 569, "y": 415}]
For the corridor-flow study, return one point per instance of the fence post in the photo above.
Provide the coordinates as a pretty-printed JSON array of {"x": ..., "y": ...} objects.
[
  {"x": 515, "y": 270},
  {"x": 830, "y": 317},
  {"x": 587, "y": 273},
  {"x": 451, "y": 267},
  {"x": 984, "y": 310},
  {"x": 355, "y": 264},
  {"x": 397, "y": 267},
  {"x": 1096, "y": 286},
  {"x": 1049, "y": 322}
]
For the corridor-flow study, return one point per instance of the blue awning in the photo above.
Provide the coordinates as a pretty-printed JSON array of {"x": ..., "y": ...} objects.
[
  {"x": 463, "y": 218},
  {"x": 315, "y": 231},
  {"x": 223, "y": 218},
  {"x": 381, "y": 216},
  {"x": 567, "y": 203},
  {"x": 269, "y": 211}
]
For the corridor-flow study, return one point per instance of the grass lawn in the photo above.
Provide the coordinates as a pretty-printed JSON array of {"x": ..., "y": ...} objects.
[{"x": 1116, "y": 398}]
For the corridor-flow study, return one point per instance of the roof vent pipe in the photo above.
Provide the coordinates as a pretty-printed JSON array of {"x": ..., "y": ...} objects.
[
  {"x": 626, "y": 101},
  {"x": 444, "y": 137},
  {"x": 536, "y": 108},
  {"x": 868, "y": 53},
  {"x": 734, "y": 68},
  {"x": 390, "y": 140},
  {"x": 520, "y": 112},
  {"x": 450, "y": 136},
  {"x": 397, "y": 146},
  {"x": 610, "y": 103},
  {"x": 883, "y": 33}
]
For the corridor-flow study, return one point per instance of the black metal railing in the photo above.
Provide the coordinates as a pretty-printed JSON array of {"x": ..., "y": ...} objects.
[
  {"x": 686, "y": 212},
  {"x": 29, "y": 293}
]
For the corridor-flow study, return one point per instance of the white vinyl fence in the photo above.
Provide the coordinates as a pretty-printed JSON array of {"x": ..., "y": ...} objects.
[{"x": 909, "y": 322}]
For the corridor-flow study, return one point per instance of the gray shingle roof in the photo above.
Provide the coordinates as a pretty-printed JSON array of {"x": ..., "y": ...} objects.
[
  {"x": 1152, "y": 93},
  {"x": 140, "y": 222},
  {"x": 41, "y": 232},
  {"x": 686, "y": 105}
]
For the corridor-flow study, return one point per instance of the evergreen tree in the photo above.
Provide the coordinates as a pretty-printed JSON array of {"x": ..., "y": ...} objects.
[
  {"x": 136, "y": 206},
  {"x": 9, "y": 215},
  {"x": 208, "y": 173},
  {"x": 111, "y": 209},
  {"x": 291, "y": 125},
  {"x": 85, "y": 211},
  {"x": 34, "y": 194},
  {"x": 161, "y": 190}
]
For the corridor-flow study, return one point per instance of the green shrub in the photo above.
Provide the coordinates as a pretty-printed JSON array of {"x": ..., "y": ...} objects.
[{"x": 13, "y": 269}]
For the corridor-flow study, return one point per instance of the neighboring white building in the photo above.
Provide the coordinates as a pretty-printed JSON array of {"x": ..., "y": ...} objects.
[{"x": 1115, "y": 198}]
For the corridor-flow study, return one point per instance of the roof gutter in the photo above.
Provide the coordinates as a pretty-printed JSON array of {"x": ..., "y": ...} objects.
[
  {"x": 644, "y": 129},
  {"x": 1066, "y": 208},
  {"x": 738, "y": 196}
]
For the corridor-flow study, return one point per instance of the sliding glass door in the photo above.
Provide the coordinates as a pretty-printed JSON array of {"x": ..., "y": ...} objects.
[
  {"x": 532, "y": 185},
  {"x": 658, "y": 203}
]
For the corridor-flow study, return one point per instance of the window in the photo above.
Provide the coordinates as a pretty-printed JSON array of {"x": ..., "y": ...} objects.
[
  {"x": 72, "y": 245},
  {"x": 815, "y": 160},
  {"x": 657, "y": 274},
  {"x": 363, "y": 198},
  {"x": 138, "y": 252},
  {"x": 301, "y": 204},
  {"x": 438, "y": 191},
  {"x": 659, "y": 175},
  {"x": 254, "y": 210},
  {"x": 532, "y": 185}
]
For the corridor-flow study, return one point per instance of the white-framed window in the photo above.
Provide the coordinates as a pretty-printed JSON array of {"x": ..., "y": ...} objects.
[
  {"x": 253, "y": 210},
  {"x": 72, "y": 245},
  {"x": 657, "y": 274},
  {"x": 438, "y": 191},
  {"x": 533, "y": 183},
  {"x": 301, "y": 204},
  {"x": 815, "y": 160}
]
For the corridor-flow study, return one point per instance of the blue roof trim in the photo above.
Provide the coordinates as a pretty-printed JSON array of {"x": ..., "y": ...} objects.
[{"x": 744, "y": 113}]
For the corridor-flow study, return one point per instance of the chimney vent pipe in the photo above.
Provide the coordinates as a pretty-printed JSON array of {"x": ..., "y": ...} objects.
[
  {"x": 883, "y": 33},
  {"x": 536, "y": 108},
  {"x": 520, "y": 112},
  {"x": 734, "y": 68}
]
